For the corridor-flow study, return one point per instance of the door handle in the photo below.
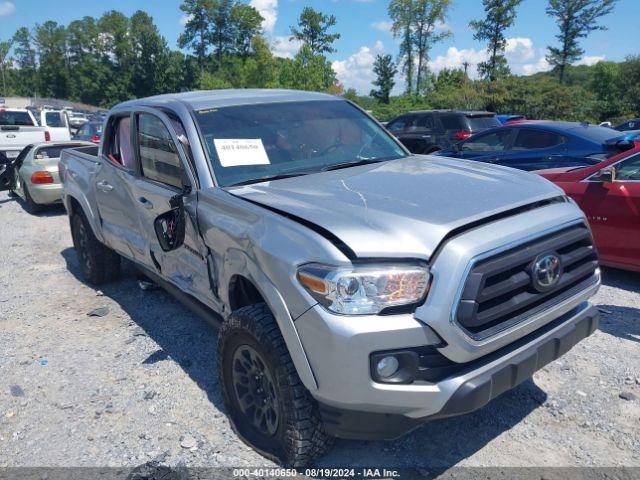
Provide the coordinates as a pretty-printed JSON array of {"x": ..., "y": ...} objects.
[
  {"x": 145, "y": 203},
  {"x": 104, "y": 186}
]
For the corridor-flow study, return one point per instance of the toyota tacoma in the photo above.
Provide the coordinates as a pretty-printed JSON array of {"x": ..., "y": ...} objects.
[{"x": 360, "y": 291}]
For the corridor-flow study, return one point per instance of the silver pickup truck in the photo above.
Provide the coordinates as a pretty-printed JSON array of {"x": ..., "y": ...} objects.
[{"x": 360, "y": 290}]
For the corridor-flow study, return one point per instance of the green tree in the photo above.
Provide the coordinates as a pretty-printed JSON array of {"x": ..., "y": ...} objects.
[
  {"x": 500, "y": 15},
  {"x": 575, "y": 19},
  {"x": 5, "y": 48},
  {"x": 313, "y": 30},
  {"x": 402, "y": 13},
  {"x": 604, "y": 83},
  {"x": 116, "y": 56},
  {"x": 385, "y": 71},
  {"x": 448, "y": 78},
  {"x": 25, "y": 58},
  {"x": 629, "y": 84},
  {"x": 247, "y": 23},
  {"x": 430, "y": 15},
  {"x": 262, "y": 66},
  {"x": 50, "y": 40},
  {"x": 222, "y": 29},
  {"x": 197, "y": 29},
  {"x": 150, "y": 56},
  {"x": 307, "y": 71}
]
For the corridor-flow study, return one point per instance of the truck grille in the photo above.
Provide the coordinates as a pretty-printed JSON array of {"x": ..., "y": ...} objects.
[{"x": 501, "y": 290}]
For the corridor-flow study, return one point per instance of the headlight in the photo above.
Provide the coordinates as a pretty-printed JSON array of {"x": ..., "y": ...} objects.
[{"x": 366, "y": 289}]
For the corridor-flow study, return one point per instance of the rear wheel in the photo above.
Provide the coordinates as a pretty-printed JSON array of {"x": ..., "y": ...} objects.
[
  {"x": 99, "y": 264},
  {"x": 268, "y": 406},
  {"x": 30, "y": 205}
]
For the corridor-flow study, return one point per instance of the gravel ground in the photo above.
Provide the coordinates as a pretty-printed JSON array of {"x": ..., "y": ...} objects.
[{"x": 140, "y": 382}]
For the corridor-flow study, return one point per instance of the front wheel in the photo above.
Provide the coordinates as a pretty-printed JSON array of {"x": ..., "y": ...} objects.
[
  {"x": 99, "y": 264},
  {"x": 268, "y": 406}
]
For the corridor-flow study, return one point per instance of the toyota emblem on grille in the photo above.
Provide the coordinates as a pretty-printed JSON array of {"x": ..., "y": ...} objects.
[{"x": 546, "y": 271}]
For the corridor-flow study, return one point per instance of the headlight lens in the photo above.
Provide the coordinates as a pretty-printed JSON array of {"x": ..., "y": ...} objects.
[{"x": 362, "y": 290}]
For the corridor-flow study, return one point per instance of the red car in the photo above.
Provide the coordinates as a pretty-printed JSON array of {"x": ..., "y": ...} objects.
[{"x": 609, "y": 194}]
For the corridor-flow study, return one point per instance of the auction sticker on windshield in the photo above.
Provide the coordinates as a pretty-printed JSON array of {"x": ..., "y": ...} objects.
[{"x": 241, "y": 152}]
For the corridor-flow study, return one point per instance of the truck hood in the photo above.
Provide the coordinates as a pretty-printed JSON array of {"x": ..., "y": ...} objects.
[{"x": 401, "y": 208}]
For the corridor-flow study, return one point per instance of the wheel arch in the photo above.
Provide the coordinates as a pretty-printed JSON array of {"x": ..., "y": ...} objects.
[
  {"x": 74, "y": 203},
  {"x": 247, "y": 283}
]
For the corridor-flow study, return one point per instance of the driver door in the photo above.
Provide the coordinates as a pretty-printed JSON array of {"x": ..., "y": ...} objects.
[
  {"x": 166, "y": 188},
  {"x": 613, "y": 211}
]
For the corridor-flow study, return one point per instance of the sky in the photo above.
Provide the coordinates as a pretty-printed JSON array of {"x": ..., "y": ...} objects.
[{"x": 364, "y": 28}]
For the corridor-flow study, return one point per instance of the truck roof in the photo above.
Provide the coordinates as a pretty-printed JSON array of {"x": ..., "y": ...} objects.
[{"x": 201, "y": 100}]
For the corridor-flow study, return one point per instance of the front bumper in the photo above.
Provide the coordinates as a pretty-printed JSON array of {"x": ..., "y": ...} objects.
[{"x": 481, "y": 381}]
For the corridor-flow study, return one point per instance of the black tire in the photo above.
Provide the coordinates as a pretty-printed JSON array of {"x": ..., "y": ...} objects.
[
  {"x": 299, "y": 434},
  {"x": 29, "y": 204},
  {"x": 98, "y": 263}
]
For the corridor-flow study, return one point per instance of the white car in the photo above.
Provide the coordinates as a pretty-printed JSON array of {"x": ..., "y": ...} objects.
[
  {"x": 57, "y": 122},
  {"x": 18, "y": 128}
]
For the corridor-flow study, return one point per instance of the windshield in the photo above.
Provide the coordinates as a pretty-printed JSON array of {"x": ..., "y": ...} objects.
[
  {"x": 483, "y": 122},
  {"x": 55, "y": 150},
  {"x": 251, "y": 142},
  {"x": 14, "y": 117}
]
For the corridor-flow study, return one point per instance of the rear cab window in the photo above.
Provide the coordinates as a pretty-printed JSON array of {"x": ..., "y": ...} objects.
[
  {"x": 118, "y": 144},
  {"x": 15, "y": 118},
  {"x": 56, "y": 119}
]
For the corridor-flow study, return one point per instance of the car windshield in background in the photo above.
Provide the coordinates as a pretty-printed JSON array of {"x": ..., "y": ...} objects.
[
  {"x": 249, "y": 143},
  {"x": 8, "y": 117},
  {"x": 483, "y": 122}
]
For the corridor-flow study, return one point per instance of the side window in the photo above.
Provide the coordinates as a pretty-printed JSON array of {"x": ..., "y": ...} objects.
[
  {"x": 397, "y": 125},
  {"x": 535, "y": 139},
  {"x": 159, "y": 156},
  {"x": 119, "y": 148},
  {"x": 425, "y": 122},
  {"x": 452, "y": 122},
  {"x": 492, "y": 142},
  {"x": 629, "y": 170}
]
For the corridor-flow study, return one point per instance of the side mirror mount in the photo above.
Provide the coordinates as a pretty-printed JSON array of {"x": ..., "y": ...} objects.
[{"x": 607, "y": 174}]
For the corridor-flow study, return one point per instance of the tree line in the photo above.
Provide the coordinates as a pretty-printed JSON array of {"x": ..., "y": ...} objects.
[{"x": 105, "y": 60}]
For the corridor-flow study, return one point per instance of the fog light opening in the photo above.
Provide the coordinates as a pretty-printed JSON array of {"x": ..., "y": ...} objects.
[{"x": 387, "y": 366}]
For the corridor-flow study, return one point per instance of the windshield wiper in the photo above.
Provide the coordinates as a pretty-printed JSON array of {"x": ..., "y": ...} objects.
[
  {"x": 338, "y": 166},
  {"x": 269, "y": 178}
]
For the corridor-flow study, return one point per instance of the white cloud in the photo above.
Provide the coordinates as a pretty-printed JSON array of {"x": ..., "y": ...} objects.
[
  {"x": 184, "y": 19},
  {"x": 519, "y": 48},
  {"x": 540, "y": 66},
  {"x": 455, "y": 58},
  {"x": 522, "y": 56},
  {"x": 269, "y": 11},
  {"x": 7, "y": 8},
  {"x": 356, "y": 71},
  {"x": 284, "y": 47},
  {"x": 383, "y": 26},
  {"x": 590, "y": 60}
]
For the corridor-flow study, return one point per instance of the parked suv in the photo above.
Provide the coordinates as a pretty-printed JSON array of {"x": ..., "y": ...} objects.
[
  {"x": 360, "y": 290},
  {"x": 427, "y": 131}
]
